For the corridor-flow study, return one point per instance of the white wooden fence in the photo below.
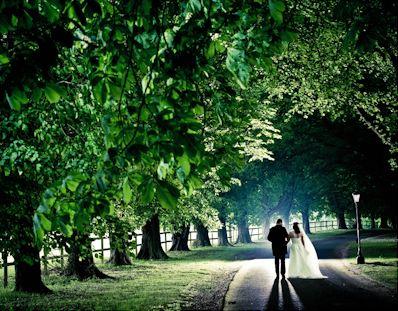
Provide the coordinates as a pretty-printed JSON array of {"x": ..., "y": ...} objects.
[{"x": 56, "y": 257}]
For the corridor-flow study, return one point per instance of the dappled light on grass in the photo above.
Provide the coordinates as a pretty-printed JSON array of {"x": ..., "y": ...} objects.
[{"x": 143, "y": 285}]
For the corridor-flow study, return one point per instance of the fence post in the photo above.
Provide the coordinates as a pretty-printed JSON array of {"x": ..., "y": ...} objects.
[
  {"x": 165, "y": 241},
  {"x": 102, "y": 250},
  {"x": 136, "y": 245},
  {"x": 62, "y": 257},
  {"x": 5, "y": 270}
]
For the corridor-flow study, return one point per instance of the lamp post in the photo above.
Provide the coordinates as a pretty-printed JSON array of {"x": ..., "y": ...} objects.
[{"x": 360, "y": 258}]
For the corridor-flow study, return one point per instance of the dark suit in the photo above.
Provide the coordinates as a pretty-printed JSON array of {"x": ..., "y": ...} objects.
[{"x": 279, "y": 238}]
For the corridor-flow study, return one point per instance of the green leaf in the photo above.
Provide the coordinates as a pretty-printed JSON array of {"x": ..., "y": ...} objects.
[
  {"x": 236, "y": 63},
  {"x": 66, "y": 229},
  {"x": 181, "y": 175},
  {"x": 195, "y": 182},
  {"x": 45, "y": 223},
  {"x": 37, "y": 229},
  {"x": 43, "y": 208},
  {"x": 162, "y": 170},
  {"x": 13, "y": 102},
  {"x": 16, "y": 98},
  {"x": 51, "y": 10},
  {"x": 4, "y": 59},
  {"x": 288, "y": 36},
  {"x": 53, "y": 92},
  {"x": 100, "y": 92},
  {"x": 276, "y": 8},
  {"x": 127, "y": 193},
  {"x": 115, "y": 90},
  {"x": 183, "y": 162},
  {"x": 211, "y": 50},
  {"x": 166, "y": 199},
  {"x": 194, "y": 5},
  {"x": 81, "y": 220},
  {"x": 100, "y": 182},
  {"x": 73, "y": 181},
  {"x": 148, "y": 190}
]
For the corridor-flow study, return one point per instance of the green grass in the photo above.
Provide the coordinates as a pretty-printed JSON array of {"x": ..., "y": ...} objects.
[
  {"x": 330, "y": 234},
  {"x": 145, "y": 285},
  {"x": 380, "y": 259},
  {"x": 342, "y": 232}
]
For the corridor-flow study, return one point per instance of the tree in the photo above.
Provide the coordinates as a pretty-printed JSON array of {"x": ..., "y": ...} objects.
[
  {"x": 151, "y": 247},
  {"x": 155, "y": 131}
]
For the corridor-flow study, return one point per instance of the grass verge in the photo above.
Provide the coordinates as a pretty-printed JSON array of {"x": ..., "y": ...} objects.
[
  {"x": 380, "y": 259},
  {"x": 174, "y": 284}
]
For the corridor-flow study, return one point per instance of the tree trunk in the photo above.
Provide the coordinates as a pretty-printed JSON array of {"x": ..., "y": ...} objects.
[
  {"x": 394, "y": 222},
  {"x": 306, "y": 220},
  {"x": 119, "y": 256},
  {"x": 151, "y": 247},
  {"x": 222, "y": 234},
  {"x": 383, "y": 222},
  {"x": 202, "y": 235},
  {"x": 28, "y": 273},
  {"x": 180, "y": 239},
  {"x": 266, "y": 227},
  {"x": 243, "y": 232},
  {"x": 341, "y": 220},
  {"x": 80, "y": 259},
  {"x": 285, "y": 218},
  {"x": 372, "y": 221}
]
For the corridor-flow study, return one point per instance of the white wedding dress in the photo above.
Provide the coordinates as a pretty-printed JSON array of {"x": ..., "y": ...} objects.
[{"x": 303, "y": 261}]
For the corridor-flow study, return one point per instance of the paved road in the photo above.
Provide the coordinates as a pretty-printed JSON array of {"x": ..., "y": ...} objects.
[{"x": 255, "y": 287}]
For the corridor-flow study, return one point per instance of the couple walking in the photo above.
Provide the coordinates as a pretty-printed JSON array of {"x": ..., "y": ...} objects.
[{"x": 303, "y": 257}]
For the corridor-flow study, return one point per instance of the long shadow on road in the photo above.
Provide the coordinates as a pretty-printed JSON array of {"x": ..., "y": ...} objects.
[{"x": 254, "y": 287}]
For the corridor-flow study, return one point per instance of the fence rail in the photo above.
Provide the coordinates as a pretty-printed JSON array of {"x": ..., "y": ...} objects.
[{"x": 56, "y": 256}]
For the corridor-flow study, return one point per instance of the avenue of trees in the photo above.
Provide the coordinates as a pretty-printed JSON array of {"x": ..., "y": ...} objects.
[{"x": 120, "y": 115}]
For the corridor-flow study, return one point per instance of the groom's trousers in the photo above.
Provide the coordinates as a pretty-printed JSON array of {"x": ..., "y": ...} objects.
[{"x": 280, "y": 258}]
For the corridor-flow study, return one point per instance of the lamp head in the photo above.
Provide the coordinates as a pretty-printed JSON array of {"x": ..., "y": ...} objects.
[{"x": 356, "y": 196}]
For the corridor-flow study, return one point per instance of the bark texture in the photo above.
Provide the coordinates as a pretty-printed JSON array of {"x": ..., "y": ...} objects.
[
  {"x": 306, "y": 220},
  {"x": 151, "y": 247},
  {"x": 243, "y": 232},
  {"x": 80, "y": 259},
  {"x": 222, "y": 233},
  {"x": 180, "y": 239},
  {"x": 119, "y": 256},
  {"x": 28, "y": 273},
  {"x": 341, "y": 220},
  {"x": 202, "y": 236}
]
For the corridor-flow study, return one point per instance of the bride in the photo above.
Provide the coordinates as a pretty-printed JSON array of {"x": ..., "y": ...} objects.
[{"x": 303, "y": 261}]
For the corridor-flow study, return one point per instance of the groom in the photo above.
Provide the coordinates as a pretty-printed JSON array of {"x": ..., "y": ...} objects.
[{"x": 279, "y": 238}]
